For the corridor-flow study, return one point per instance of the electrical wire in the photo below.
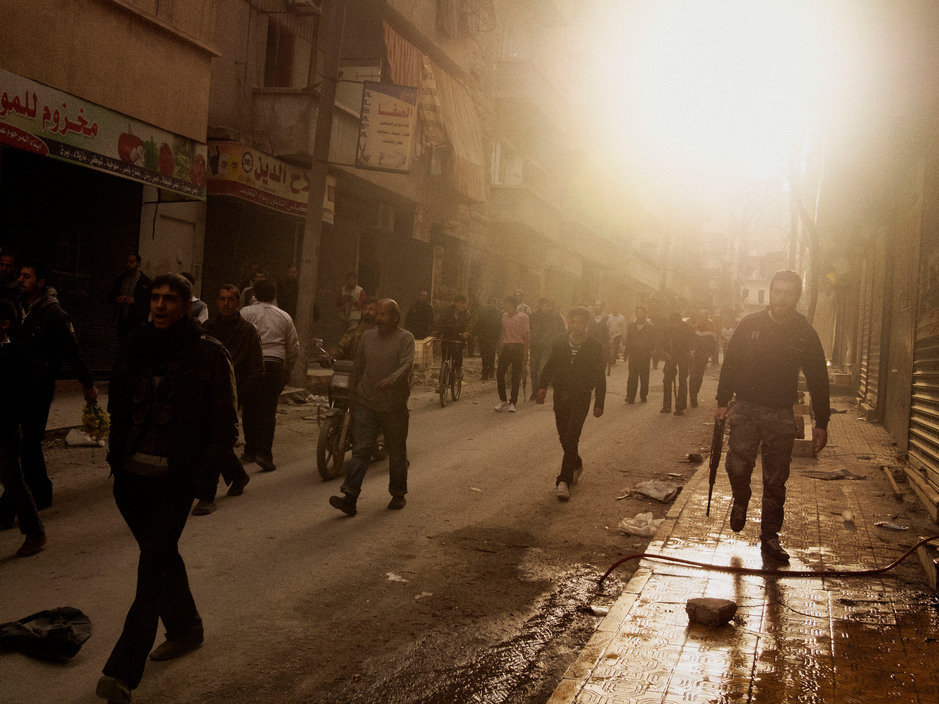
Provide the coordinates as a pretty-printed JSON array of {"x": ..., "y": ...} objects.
[{"x": 764, "y": 572}]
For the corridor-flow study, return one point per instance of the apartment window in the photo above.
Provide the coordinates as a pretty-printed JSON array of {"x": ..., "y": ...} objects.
[{"x": 278, "y": 64}]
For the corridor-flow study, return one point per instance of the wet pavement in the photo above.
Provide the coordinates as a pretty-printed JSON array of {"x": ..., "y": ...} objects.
[{"x": 824, "y": 639}]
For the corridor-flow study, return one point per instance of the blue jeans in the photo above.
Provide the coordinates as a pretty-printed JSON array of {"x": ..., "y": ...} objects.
[{"x": 366, "y": 426}]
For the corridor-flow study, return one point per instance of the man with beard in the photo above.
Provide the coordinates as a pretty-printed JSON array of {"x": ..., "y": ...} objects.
[
  {"x": 173, "y": 419},
  {"x": 47, "y": 338},
  {"x": 130, "y": 296},
  {"x": 381, "y": 385},
  {"x": 761, "y": 375}
]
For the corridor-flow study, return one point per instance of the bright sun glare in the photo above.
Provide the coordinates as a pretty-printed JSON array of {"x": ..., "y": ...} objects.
[{"x": 716, "y": 87}]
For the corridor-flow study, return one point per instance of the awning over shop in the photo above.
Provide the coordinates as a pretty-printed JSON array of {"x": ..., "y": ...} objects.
[
  {"x": 446, "y": 110},
  {"x": 50, "y": 122},
  {"x": 238, "y": 170}
]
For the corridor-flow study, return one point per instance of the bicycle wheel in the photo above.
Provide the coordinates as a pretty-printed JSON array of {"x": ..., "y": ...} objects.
[
  {"x": 442, "y": 382},
  {"x": 456, "y": 383}
]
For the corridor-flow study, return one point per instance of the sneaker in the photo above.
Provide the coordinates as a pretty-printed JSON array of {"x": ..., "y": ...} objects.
[
  {"x": 345, "y": 503},
  {"x": 248, "y": 457},
  {"x": 511, "y": 408},
  {"x": 170, "y": 649},
  {"x": 204, "y": 508},
  {"x": 773, "y": 550},
  {"x": 113, "y": 689},
  {"x": 238, "y": 486},
  {"x": 267, "y": 464},
  {"x": 738, "y": 517},
  {"x": 666, "y": 410},
  {"x": 32, "y": 545},
  {"x": 564, "y": 493},
  {"x": 501, "y": 406},
  {"x": 396, "y": 503}
]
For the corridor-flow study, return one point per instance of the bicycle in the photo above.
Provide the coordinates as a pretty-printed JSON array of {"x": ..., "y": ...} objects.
[{"x": 450, "y": 378}]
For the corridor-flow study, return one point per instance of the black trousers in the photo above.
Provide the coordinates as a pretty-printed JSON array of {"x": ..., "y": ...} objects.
[
  {"x": 155, "y": 510},
  {"x": 17, "y": 493},
  {"x": 513, "y": 354},
  {"x": 35, "y": 415},
  {"x": 638, "y": 375},
  {"x": 569, "y": 417},
  {"x": 260, "y": 411}
]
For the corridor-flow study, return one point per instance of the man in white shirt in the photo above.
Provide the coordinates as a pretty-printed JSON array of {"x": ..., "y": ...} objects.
[{"x": 281, "y": 349}]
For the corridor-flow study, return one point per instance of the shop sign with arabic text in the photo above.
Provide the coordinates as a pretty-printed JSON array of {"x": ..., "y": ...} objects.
[
  {"x": 386, "y": 131},
  {"x": 49, "y": 122},
  {"x": 238, "y": 170}
]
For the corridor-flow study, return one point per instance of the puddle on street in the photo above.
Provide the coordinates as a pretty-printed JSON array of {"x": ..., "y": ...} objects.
[{"x": 505, "y": 670}]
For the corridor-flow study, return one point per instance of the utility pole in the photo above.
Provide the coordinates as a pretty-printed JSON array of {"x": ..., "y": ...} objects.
[{"x": 320, "y": 133}]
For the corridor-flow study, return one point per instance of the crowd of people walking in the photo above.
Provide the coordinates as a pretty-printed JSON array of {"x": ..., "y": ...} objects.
[{"x": 186, "y": 370}]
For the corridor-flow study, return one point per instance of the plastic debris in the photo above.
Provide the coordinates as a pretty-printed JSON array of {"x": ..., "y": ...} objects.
[
  {"x": 599, "y": 610},
  {"x": 392, "y": 577},
  {"x": 833, "y": 475},
  {"x": 658, "y": 490},
  {"x": 422, "y": 595},
  {"x": 848, "y": 515},
  {"x": 642, "y": 525},
  {"x": 891, "y": 525},
  {"x": 79, "y": 438}
]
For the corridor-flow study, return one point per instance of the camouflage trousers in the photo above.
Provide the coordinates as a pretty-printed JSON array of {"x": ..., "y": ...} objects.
[{"x": 770, "y": 431}]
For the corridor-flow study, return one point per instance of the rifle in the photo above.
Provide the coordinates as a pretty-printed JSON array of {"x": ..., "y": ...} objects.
[{"x": 717, "y": 444}]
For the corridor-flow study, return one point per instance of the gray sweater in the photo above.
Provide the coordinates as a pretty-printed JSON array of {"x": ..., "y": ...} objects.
[{"x": 381, "y": 357}]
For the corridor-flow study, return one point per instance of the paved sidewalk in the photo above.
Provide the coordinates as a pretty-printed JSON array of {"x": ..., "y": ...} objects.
[{"x": 824, "y": 639}]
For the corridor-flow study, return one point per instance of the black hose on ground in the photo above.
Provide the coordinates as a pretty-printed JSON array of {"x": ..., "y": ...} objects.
[{"x": 774, "y": 572}]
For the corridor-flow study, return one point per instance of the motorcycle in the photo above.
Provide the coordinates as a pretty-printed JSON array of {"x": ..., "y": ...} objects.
[{"x": 335, "y": 438}]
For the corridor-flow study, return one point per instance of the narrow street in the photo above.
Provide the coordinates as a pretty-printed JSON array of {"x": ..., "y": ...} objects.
[{"x": 479, "y": 590}]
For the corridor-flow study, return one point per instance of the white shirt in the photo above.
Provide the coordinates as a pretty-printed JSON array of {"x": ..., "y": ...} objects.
[{"x": 277, "y": 332}]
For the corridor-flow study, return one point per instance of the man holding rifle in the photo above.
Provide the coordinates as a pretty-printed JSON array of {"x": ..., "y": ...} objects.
[{"x": 761, "y": 374}]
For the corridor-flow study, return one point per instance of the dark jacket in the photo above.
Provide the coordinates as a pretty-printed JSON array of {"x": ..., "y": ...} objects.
[
  {"x": 489, "y": 325},
  {"x": 197, "y": 408},
  {"x": 545, "y": 326},
  {"x": 14, "y": 380},
  {"x": 679, "y": 341},
  {"x": 453, "y": 323},
  {"x": 243, "y": 343},
  {"x": 420, "y": 319},
  {"x": 127, "y": 317},
  {"x": 763, "y": 360},
  {"x": 640, "y": 341},
  {"x": 575, "y": 375},
  {"x": 49, "y": 339}
]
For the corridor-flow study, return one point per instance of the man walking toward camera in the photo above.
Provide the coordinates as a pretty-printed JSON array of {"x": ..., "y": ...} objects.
[
  {"x": 47, "y": 338},
  {"x": 516, "y": 335},
  {"x": 576, "y": 367},
  {"x": 381, "y": 385},
  {"x": 173, "y": 422},
  {"x": 761, "y": 376}
]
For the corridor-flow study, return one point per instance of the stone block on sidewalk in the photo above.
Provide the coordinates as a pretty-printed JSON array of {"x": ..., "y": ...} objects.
[
  {"x": 803, "y": 448},
  {"x": 709, "y": 611}
]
